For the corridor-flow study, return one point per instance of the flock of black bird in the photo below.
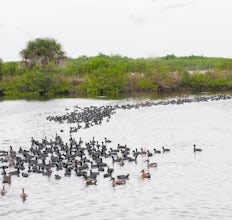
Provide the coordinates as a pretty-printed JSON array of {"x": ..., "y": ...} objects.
[
  {"x": 86, "y": 160},
  {"x": 90, "y": 116}
]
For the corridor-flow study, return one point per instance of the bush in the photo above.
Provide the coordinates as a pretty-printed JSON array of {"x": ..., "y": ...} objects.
[{"x": 35, "y": 84}]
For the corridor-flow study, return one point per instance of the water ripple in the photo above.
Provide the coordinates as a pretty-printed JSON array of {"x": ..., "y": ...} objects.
[{"x": 184, "y": 186}]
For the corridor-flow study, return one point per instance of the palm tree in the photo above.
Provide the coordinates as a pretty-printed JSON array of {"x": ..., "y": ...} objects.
[{"x": 42, "y": 51}]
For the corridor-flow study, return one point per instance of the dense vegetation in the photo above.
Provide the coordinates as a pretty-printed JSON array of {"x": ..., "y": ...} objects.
[{"x": 108, "y": 75}]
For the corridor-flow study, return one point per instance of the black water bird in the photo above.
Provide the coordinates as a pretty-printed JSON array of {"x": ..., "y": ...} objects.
[
  {"x": 196, "y": 149},
  {"x": 149, "y": 154},
  {"x": 57, "y": 177},
  {"x": 157, "y": 151},
  {"x": 123, "y": 177},
  {"x": 165, "y": 149},
  {"x": 25, "y": 174}
]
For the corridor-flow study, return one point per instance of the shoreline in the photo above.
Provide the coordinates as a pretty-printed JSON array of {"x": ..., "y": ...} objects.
[{"x": 127, "y": 95}]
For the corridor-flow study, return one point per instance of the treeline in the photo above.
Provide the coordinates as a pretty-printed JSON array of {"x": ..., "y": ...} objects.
[{"x": 111, "y": 75}]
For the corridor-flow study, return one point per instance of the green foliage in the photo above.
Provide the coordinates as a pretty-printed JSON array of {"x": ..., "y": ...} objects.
[
  {"x": 146, "y": 84},
  {"x": 106, "y": 77},
  {"x": 60, "y": 86},
  {"x": 110, "y": 75},
  {"x": 226, "y": 64},
  {"x": 141, "y": 66},
  {"x": 209, "y": 81},
  {"x": 198, "y": 80},
  {"x": 79, "y": 66},
  {"x": 185, "y": 80},
  {"x": 10, "y": 68},
  {"x": 190, "y": 63},
  {"x": 35, "y": 84},
  {"x": 1, "y": 64}
]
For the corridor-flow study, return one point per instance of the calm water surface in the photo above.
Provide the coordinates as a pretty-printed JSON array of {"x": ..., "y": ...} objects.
[{"x": 185, "y": 185}]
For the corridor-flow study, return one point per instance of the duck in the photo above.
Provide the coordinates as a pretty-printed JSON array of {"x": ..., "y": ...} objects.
[
  {"x": 110, "y": 170},
  {"x": 81, "y": 173},
  {"x": 149, "y": 165},
  {"x": 149, "y": 154},
  {"x": 25, "y": 174},
  {"x": 143, "y": 152},
  {"x": 93, "y": 173},
  {"x": 196, "y": 149},
  {"x": 117, "y": 182},
  {"x": 11, "y": 162},
  {"x": 3, "y": 191},
  {"x": 48, "y": 172},
  {"x": 23, "y": 195},
  {"x": 121, "y": 162},
  {"x": 123, "y": 177},
  {"x": 89, "y": 181},
  {"x": 165, "y": 150},
  {"x": 115, "y": 160},
  {"x": 107, "y": 140},
  {"x": 157, "y": 151},
  {"x": 101, "y": 168},
  {"x": 130, "y": 159},
  {"x": 145, "y": 175},
  {"x": 3, "y": 170},
  {"x": 7, "y": 179},
  {"x": 57, "y": 177},
  {"x": 106, "y": 175}
]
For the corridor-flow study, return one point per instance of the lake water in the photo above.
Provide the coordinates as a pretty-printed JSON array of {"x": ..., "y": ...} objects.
[{"x": 185, "y": 185}]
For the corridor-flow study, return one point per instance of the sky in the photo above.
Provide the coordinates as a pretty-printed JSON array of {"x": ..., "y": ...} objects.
[{"x": 133, "y": 28}]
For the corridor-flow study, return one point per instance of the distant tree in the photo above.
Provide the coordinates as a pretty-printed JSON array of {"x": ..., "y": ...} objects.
[
  {"x": 170, "y": 56},
  {"x": 42, "y": 51}
]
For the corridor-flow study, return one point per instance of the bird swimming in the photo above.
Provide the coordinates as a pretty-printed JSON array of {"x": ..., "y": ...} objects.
[
  {"x": 117, "y": 182},
  {"x": 156, "y": 151},
  {"x": 196, "y": 149},
  {"x": 89, "y": 181},
  {"x": 149, "y": 165},
  {"x": 165, "y": 149},
  {"x": 145, "y": 175},
  {"x": 23, "y": 195},
  {"x": 3, "y": 191}
]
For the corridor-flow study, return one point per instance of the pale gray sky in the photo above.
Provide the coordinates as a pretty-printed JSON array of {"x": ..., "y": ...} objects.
[{"x": 134, "y": 28}]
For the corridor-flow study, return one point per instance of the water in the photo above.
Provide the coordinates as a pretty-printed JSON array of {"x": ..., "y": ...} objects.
[{"x": 185, "y": 185}]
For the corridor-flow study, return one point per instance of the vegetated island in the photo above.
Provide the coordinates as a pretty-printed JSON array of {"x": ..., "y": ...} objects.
[{"x": 46, "y": 71}]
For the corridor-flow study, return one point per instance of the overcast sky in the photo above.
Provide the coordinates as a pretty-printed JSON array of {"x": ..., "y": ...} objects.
[{"x": 134, "y": 28}]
